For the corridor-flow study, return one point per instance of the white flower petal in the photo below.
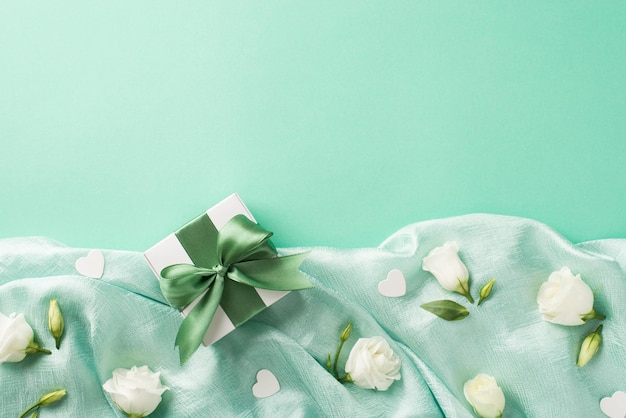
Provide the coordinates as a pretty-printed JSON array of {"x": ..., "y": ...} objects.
[
  {"x": 564, "y": 298},
  {"x": 15, "y": 336},
  {"x": 137, "y": 390},
  {"x": 485, "y": 396},
  {"x": 444, "y": 263},
  {"x": 372, "y": 364}
]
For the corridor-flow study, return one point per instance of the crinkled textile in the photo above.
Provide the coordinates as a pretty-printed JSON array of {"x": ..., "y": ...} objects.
[{"x": 122, "y": 320}]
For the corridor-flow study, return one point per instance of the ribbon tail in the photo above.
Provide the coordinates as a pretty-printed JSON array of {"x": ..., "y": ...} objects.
[
  {"x": 196, "y": 323},
  {"x": 279, "y": 273}
]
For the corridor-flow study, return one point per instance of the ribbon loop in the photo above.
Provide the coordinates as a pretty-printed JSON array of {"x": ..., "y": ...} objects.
[
  {"x": 244, "y": 255},
  {"x": 181, "y": 284},
  {"x": 239, "y": 239}
]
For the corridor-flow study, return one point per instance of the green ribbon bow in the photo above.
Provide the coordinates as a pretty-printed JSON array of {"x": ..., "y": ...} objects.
[{"x": 229, "y": 264}]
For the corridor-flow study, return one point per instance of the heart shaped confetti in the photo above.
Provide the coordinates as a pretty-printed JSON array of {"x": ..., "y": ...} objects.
[
  {"x": 394, "y": 285},
  {"x": 92, "y": 265},
  {"x": 615, "y": 406},
  {"x": 266, "y": 384}
]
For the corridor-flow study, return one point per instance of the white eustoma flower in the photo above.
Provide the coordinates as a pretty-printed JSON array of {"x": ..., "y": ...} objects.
[
  {"x": 372, "y": 364},
  {"x": 17, "y": 339},
  {"x": 566, "y": 299},
  {"x": 444, "y": 263},
  {"x": 485, "y": 396},
  {"x": 137, "y": 391}
]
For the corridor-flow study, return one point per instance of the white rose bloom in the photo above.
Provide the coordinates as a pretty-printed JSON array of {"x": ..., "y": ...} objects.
[
  {"x": 566, "y": 299},
  {"x": 444, "y": 263},
  {"x": 136, "y": 391},
  {"x": 485, "y": 396},
  {"x": 372, "y": 364},
  {"x": 15, "y": 337}
]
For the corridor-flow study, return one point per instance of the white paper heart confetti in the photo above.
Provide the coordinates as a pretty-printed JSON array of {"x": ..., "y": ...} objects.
[
  {"x": 394, "y": 285},
  {"x": 92, "y": 265},
  {"x": 266, "y": 384},
  {"x": 615, "y": 406}
]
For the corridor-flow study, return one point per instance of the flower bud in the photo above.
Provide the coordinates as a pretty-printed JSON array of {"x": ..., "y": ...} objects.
[
  {"x": 589, "y": 347},
  {"x": 345, "y": 334},
  {"x": 52, "y": 397},
  {"x": 55, "y": 322},
  {"x": 47, "y": 399},
  {"x": 485, "y": 292}
]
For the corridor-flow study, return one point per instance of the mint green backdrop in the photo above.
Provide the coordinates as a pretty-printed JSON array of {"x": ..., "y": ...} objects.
[{"x": 337, "y": 122}]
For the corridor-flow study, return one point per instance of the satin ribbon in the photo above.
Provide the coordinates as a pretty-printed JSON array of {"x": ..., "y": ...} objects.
[{"x": 228, "y": 266}]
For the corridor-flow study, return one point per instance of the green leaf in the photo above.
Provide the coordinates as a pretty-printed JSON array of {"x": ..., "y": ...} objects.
[{"x": 446, "y": 309}]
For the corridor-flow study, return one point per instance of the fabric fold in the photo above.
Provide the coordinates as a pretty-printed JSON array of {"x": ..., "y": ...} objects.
[{"x": 122, "y": 320}]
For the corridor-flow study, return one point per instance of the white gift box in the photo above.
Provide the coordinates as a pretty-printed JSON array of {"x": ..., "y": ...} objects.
[{"x": 170, "y": 251}]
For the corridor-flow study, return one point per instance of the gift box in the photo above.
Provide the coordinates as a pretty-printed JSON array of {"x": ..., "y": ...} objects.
[{"x": 193, "y": 244}]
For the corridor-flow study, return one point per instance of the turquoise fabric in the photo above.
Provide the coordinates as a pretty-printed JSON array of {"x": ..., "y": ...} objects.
[{"x": 122, "y": 320}]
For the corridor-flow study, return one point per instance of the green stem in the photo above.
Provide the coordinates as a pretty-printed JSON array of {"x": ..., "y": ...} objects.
[
  {"x": 30, "y": 408},
  {"x": 346, "y": 378},
  {"x": 38, "y": 350},
  {"x": 337, "y": 359},
  {"x": 34, "y": 348},
  {"x": 465, "y": 291},
  {"x": 593, "y": 315}
]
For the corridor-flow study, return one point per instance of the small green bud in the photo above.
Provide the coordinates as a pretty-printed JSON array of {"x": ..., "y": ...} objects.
[
  {"x": 55, "y": 322},
  {"x": 52, "y": 397},
  {"x": 485, "y": 292},
  {"x": 345, "y": 334},
  {"x": 589, "y": 347},
  {"x": 47, "y": 399},
  {"x": 329, "y": 364}
]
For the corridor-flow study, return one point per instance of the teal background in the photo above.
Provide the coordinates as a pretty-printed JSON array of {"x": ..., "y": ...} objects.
[{"x": 337, "y": 122}]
